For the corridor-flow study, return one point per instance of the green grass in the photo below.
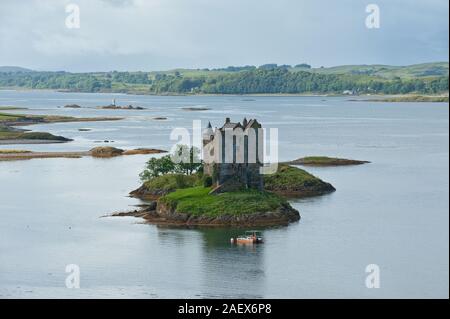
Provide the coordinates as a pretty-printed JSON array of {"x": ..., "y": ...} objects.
[
  {"x": 10, "y": 117},
  {"x": 6, "y": 133},
  {"x": 171, "y": 182},
  {"x": 197, "y": 201},
  {"x": 389, "y": 71},
  {"x": 288, "y": 177},
  {"x": 319, "y": 159}
]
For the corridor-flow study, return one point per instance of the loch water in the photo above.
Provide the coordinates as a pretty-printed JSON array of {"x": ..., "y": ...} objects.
[{"x": 393, "y": 212}]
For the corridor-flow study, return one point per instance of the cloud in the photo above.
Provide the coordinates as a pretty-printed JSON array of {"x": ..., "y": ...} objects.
[{"x": 160, "y": 34}]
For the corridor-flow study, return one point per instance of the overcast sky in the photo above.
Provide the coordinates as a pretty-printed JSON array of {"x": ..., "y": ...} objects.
[{"x": 164, "y": 34}]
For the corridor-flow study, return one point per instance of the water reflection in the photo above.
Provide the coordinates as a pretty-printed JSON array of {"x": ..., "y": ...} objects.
[{"x": 242, "y": 266}]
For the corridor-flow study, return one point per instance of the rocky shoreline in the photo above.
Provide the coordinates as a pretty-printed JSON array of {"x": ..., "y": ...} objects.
[
  {"x": 160, "y": 214},
  {"x": 144, "y": 193},
  {"x": 288, "y": 182}
]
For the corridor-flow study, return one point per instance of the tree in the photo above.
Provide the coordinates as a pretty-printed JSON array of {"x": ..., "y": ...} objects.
[
  {"x": 157, "y": 166},
  {"x": 303, "y": 66},
  {"x": 187, "y": 160},
  {"x": 184, "y": 160}
]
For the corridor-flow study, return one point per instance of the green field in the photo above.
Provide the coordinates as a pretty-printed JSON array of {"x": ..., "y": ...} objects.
[
  {"x": 8, "y": 117},
  {"x": 197, "y": 201},
  {"x": 389, "y": 71}
]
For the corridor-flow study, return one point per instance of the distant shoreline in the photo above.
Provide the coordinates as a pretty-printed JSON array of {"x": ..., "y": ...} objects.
[
  {"x": 352, "y": 98},
  {"x": 411, "y": 98}
]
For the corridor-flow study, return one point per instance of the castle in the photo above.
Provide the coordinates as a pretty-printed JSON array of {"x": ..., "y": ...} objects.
[{"x": 233, "y": 155}]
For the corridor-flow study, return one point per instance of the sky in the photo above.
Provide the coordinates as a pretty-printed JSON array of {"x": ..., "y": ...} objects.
[{"x": 150, "y": 35}]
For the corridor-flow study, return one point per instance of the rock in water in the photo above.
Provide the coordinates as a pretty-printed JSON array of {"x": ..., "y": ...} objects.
[{"x": 106, "y": 151}]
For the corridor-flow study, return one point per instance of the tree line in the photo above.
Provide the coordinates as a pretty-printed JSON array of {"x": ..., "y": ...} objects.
[{"x": 268, "y": 79}]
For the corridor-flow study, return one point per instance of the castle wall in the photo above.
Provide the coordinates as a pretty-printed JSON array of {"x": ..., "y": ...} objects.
[{"x": 239, "y": 157}]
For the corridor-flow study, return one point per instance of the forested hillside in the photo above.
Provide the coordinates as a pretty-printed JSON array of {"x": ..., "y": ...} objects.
[{"x": 429, "y": 78}]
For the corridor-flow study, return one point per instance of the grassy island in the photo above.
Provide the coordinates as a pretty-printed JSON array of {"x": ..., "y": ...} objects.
[
  {"x": 181, "y": 195},
  {"x": 289, "y": 181},
  {"x": 197, "y": 201},
  {"x": 294, "y": 182},
  {"x": 11, "y": 135},
  {"x": 197, "y": 206},
  {"x": 325, "y": 161}
]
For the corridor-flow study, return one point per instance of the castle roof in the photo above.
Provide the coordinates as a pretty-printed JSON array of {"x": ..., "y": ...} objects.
[{"x": 246, "y": 124}]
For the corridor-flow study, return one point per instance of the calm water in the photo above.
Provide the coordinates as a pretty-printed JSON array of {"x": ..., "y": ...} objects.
[{"x": 392, "y": 212}]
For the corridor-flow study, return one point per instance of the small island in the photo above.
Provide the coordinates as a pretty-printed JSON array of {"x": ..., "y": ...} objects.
[
  {"x": 196, "y": 206},
  {"x": 118, "y": 107},
  {"x": 325, "y": 161},
  {"x": 9, "y": 134},
  {"x": 72, "y": 106},
  {"x": 98, "y": 152},
  {"x": 288, "y": 182},
  {"x": 215, "y": 193},
  {"x": 180, "y": 199},
  {"x": 196, "y": 108}
]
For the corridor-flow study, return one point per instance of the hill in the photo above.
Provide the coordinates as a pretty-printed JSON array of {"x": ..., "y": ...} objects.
[
  {"x": 13, "y": 69},
  {"x": 429, "y": 79},
  {"x": 389, "y": 71}
]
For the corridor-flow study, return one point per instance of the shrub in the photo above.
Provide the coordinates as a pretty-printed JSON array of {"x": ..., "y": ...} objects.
[
  {"x": 180, "y": 181},
  {"x": 171, "y": 182}
]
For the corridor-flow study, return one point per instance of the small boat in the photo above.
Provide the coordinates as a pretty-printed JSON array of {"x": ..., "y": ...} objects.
[{"x": 250, "y": 237}]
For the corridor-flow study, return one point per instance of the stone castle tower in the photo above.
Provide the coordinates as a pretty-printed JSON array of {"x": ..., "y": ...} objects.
[{"x": 234, "y": 154}]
